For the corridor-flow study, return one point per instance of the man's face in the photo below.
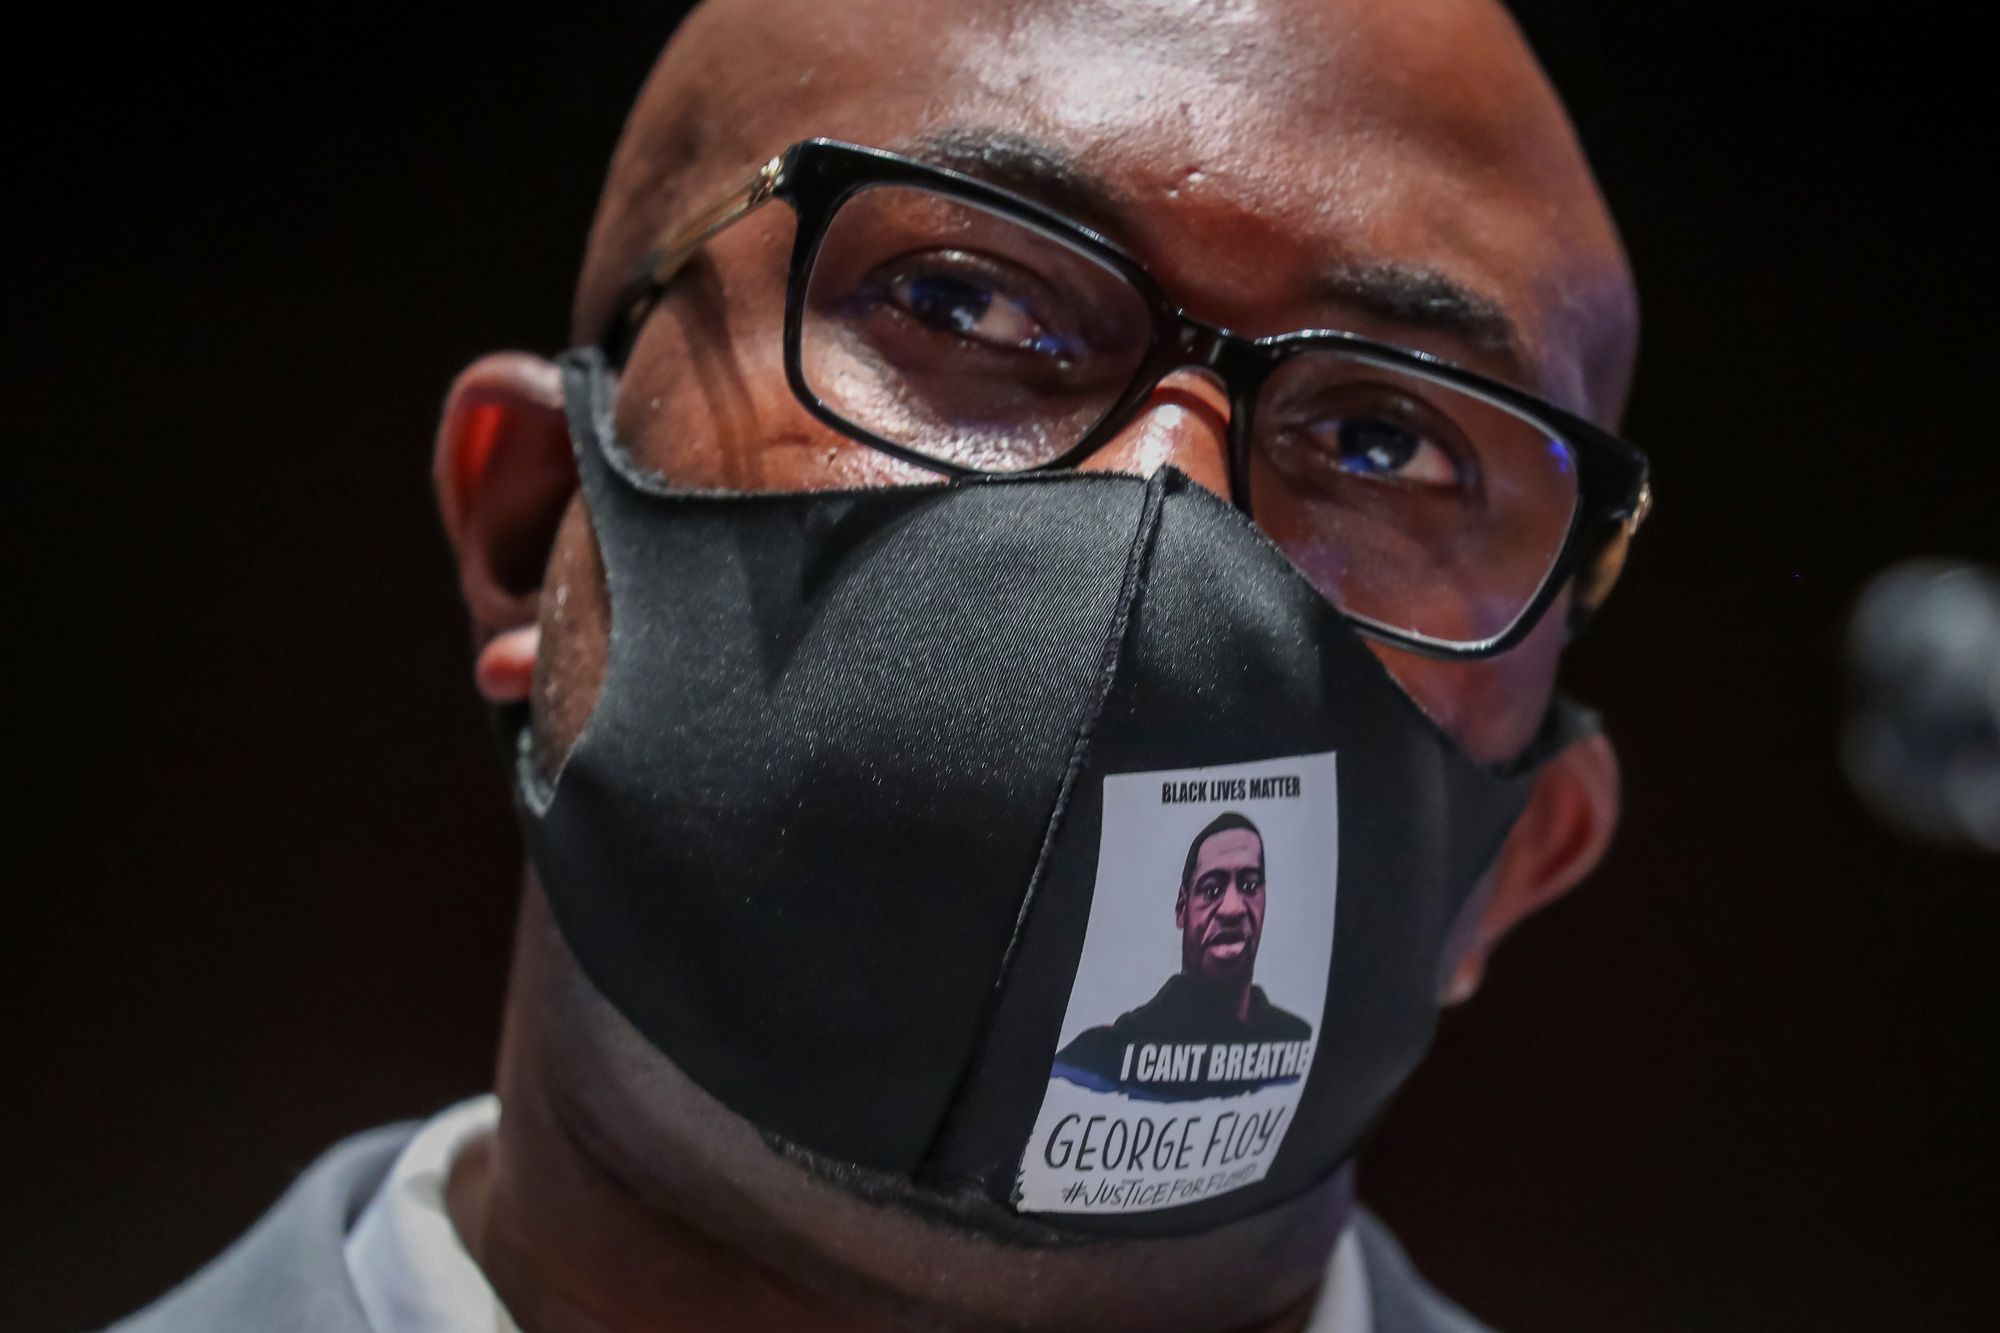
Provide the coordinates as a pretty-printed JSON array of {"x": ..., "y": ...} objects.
[
  {"x": 1396, "y": 168},
  {"x": 1221, "y": 908}
]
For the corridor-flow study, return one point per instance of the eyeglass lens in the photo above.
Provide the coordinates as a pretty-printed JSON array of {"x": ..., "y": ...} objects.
[
  {"x": 979, "y": 340},
  {"x": 1408, "y": 502},
  {"x": 964, "y": 335}
]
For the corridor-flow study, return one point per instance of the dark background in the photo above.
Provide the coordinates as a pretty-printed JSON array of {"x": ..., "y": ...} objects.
[{"x": 265, "y": 863}]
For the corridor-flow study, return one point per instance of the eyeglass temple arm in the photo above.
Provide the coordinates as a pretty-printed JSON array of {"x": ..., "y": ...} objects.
[{"x": 661, "y": 266}]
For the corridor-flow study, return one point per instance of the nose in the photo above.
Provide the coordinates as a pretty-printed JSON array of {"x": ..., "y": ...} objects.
[
  {"x": 1184, "y": 424},
  {"x": 1233, "y": 902}
]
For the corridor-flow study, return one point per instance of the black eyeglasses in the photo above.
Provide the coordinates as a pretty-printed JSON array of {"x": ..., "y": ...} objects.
[{"x": 969, "y": 331}]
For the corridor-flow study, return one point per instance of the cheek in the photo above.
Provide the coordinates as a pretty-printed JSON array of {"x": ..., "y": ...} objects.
[
  {"x": 693, "y": 402},
  {"x": 1491, "y": 708}
]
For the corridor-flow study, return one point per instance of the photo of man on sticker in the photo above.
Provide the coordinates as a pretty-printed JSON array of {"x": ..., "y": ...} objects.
[
  {"x": 1162, "y": 1095},
  {"x": 1210, "y": 1031}
]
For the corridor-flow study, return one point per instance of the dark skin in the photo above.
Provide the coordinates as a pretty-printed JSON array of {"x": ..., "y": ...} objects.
[
  {"x": 1270, "y": 163},
  {"x": 1220, "y": 912}
]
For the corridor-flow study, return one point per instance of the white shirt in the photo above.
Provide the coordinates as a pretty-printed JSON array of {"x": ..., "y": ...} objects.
[
  {"x": 410, "y": 1269},
  {"x": 414, "y": 1275}
]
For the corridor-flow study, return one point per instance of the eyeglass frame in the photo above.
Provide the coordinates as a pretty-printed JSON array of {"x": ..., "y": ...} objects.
[{"x": 816, "y": 177}]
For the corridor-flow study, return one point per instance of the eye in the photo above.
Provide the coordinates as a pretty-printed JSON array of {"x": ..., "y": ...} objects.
[
  {"x": 1372, "y": 447},
  {"x": 952, "y": 305},
  {"x": 1325, "y": 432},
  {"x": 952, "y": 292}
]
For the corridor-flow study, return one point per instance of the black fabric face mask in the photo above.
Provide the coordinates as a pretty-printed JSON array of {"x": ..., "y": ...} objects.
[{"x": 895, "y": 804}]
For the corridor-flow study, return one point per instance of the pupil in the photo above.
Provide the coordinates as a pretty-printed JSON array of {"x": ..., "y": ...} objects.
[
  {"x": 1368, "y": 444},
  {"x": 947, "y": 303}
]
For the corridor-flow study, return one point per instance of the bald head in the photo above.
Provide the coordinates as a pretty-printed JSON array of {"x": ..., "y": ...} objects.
[{"x": 1377, "y": 165}]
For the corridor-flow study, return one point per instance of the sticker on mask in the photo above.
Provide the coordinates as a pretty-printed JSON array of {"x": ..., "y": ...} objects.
[{"x": 1194, "y": 1015}]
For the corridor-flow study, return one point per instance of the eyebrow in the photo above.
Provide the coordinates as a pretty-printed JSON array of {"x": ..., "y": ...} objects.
[
  {"x": 1029, "y": 167},
  {"x": 1422, "y": 298},
  {"x": 1412, "y": 297}
]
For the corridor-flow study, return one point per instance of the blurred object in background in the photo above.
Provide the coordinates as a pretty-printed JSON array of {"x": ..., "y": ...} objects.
[{"x": 1922, "y": 743}]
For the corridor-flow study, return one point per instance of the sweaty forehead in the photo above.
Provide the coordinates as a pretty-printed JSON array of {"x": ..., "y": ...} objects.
[{"x": 1263, "y": 157}]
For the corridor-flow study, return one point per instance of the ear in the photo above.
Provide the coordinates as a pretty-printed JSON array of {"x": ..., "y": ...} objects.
[
  {"x": 1559, "y": 839},
  {"x": 504, "y": 476},
  {"x": 1180, "y": 909}
]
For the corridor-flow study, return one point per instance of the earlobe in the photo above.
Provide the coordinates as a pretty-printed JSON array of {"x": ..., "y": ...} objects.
[
  {"x": 505, "y": 670},
  {"x": 504, "y": 473},
  {"x": 1559, "y": 839}
]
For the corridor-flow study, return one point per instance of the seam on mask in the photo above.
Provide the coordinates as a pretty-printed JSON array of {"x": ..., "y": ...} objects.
[
  {"x": 1136, "y": 562},
  {"x": 1086, "y": 731}
]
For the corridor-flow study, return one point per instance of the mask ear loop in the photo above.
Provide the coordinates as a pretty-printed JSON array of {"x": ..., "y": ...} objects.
[
  {"x": 1564, "y": 723},
  {"x": 589, "y": 395},
  {"x": 507, "y": 727}
]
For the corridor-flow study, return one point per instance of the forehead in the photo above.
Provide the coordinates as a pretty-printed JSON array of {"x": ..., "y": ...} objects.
[
  {"x": 1255, "y": 154},
  {"x": 1231, "y": 847}
]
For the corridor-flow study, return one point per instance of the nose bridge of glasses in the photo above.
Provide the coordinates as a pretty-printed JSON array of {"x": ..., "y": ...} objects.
[
  {"x": 1229, "y": 357},
  {"x": 1229, "y": 360},
  {"x": 1234, "y": 365},
  {"x": 1208, "y": 346}
]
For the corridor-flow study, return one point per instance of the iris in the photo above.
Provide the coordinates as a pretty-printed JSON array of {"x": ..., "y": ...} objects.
[
  {"x": 1371, "y": 446},
  {"x": 947, "y": 303}
]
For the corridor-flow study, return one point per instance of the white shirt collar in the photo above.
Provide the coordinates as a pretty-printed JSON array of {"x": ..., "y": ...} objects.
[
  {"x": 413, "y": 1274},
  {"x": 1344, "y": 1304},
  {"x": 410, "y": 1269}
]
